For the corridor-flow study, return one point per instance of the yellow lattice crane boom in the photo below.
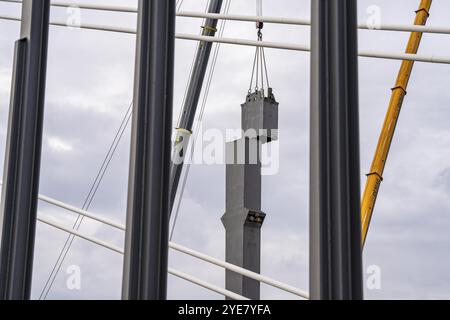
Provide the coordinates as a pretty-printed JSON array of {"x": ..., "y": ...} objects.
[{"x": 375, "y": 177}]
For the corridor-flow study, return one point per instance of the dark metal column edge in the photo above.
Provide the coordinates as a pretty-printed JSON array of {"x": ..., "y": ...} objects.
[
  {"x": 335, "y": 234},
  {"x": 146, "y": 243},
  {"x": 23, "y": 152}
]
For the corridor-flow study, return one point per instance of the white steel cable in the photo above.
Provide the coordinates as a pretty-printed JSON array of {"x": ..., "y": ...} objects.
[
  {"x": 259, "y": 70},
  {"x": 259, "y": 12}
]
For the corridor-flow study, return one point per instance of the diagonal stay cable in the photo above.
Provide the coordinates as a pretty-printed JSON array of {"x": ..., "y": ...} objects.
[
  {"x": 88, "y": 200},
  {"x": 80, "y": 219},
  {"x": 199, "y": 122},
  {"x": 93, "y": 190}
]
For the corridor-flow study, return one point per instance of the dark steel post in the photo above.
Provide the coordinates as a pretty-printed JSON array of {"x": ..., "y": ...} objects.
[
  {"x": 146, "y": 243},
  {"x": 191, "y": 102},
  {"x": 335, "y": 231},
  {"x": 23, "y": 152}
]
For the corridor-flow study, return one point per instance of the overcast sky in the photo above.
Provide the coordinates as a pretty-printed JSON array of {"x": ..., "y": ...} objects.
[{"x": 89, "y": 88}]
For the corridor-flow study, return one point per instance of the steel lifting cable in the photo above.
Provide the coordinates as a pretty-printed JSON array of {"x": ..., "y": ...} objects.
[
  {"x": 199, "y": 121},
  {"x": 88, "y": 201},
  {"x": 259, "y": 70}
]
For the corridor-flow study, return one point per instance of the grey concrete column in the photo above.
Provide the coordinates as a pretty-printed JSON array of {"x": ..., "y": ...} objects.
[{"x": 243, "y": 218}]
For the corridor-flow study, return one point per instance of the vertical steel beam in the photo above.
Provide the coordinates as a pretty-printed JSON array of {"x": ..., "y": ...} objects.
[
  {"x": 192, "y": 98},
  {"x": 335, "y": 233},
  {"x": 23, "y": 152},
  {"x": 146, "y": 243}
]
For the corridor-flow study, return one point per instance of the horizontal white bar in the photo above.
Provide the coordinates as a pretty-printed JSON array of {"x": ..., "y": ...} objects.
[
  {"x": 405, "y": 56},
  {"x": 249, "y": 18},
  {"x": 174, "y": 246},
  {"x": 241, "y": 271},
  {"x": 80, "y": 235},
  {"x": 406, "y": 28},
  {"x": 243, "y": 18},
  {"x": 124, "y": 9},
  {"x": 305, "y": 22},
  {"x": 264, "y": 44},
  {"x": 117, "y": 249},
  {"x": 87, "y": 6},
  {"x": 299, "y": 47},
  {"x": 82, "y": 26},
  {"x": 82, "y": 212},
  {"x": 207, "y": 285},
  {"x": 242, "y": 42}
]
